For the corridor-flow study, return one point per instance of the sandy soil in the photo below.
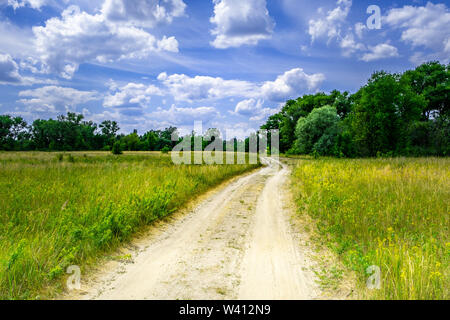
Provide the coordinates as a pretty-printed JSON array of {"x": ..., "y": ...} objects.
[{"x": 236, "y": 244}]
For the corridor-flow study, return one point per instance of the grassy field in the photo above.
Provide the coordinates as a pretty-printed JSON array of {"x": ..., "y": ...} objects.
[
  {"x": 390, "y": 213},
  {"x": 60, "y": 210}
]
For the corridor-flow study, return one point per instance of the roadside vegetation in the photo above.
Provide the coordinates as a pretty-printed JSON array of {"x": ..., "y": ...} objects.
[
  {"x": 60, "y": 209},
  {"x": 390, "y": 213}
]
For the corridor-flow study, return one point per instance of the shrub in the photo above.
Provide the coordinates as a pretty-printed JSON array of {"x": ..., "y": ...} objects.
[
  {"x": 117, "y": 148},
  {"x": 165, "y": 150}
]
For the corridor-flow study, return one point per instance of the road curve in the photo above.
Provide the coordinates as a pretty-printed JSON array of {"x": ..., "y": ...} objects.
[{"x": 236, "y": 244}]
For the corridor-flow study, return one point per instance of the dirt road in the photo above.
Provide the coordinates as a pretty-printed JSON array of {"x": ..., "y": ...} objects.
[{"x": 236, "y": 244}]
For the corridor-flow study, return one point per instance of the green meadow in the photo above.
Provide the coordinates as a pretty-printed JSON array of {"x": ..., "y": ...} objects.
[
  {"x": 390, "y": 213},
  {"x": 67, "y": 209}
]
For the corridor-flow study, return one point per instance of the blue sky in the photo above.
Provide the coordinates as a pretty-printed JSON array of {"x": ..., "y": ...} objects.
[{"x": 149, "y": 64}]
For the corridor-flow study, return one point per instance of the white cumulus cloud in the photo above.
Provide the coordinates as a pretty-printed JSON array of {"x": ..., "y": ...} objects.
[
  {"x": 10, "y": 75},
  {"x": 9, "y": 70},
  {"x": 131, "y": 94},
  {"x": 424, "y": 26},
  {"x": 77, "y": 37},
  {"x": 240, "y": 23},
  {"x": 16, "y": 4},
  {"x": 381, "y": 51},
  {"x": 330, "y": 25},
  {"x": 146, "y": 13},
  {"x": 292, "y": 83},
  {"x": 349, "y": 46},
  {"x": 54, "y": 99},
  {"x": 254, "y": 109},
  {"x": 248, "y": 107},
  {"x": 184, "y": 116},
  {"x": 186, "y": 88}
]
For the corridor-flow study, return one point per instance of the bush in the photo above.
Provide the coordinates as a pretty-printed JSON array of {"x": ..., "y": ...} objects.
[
  {"x": 318, "y": 132},
  {"x": 117, "y": 148},
  {"x": 165, "y": 150}
]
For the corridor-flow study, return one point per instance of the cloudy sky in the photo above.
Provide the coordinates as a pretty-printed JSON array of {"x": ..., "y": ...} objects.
[{"x": 149, "y": 64}]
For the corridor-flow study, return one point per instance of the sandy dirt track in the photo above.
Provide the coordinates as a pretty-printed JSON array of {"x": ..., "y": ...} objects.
[{"x": 236, "y": 244}]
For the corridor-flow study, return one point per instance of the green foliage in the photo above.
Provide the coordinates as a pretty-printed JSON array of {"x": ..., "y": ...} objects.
[
  {"x": 317, "y": 133},
  {"x": 296, "y": 109},
  {"x": 117, "y": 148},
  {"x": 165, "y": 150},
  {"x": 72, "y": 133},
  {"x": 431, "y": 81},
  {"x": 13, "y": 130},
  {"x": 384, "y": 110},
  {"x": 109, "y": 130},
  {"x": 393, "y": 114}
]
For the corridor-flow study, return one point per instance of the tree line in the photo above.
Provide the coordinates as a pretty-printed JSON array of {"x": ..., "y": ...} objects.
[
  {"x": 403, "y": 114},
  {"x": 393, "y": 114},
  {"x": 72, "y": 133}
]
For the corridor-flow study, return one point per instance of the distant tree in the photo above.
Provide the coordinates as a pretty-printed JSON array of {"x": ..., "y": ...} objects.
[
  {"x": 117, "y": 148},
  {"x": 6, "y": 123},
  {"x": 165, "y": 138},
  {"x": 342, "y": 103},
  {"x": 132, "y": 142},
  {"x": 47, "y": 134},
  {"x": 165, "y": 150},
  {"x": 109, "y": 131},
  {"x": 210, "y": 137},
  {"x": 109, "y": 128},
  {"x": 274, "y": 122},
  {"x": 432, "y": 81},
  {"x": 14, "y": 134},
  {"x": 318, "y": 132},
  {"x": 384, "y": 109},
  {"x": 286, "y": 120},
  {"x": 150, "y": 140}
]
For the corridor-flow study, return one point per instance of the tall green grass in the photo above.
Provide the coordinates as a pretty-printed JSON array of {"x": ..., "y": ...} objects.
[
  {"x": 392, "y": 213},
  {"x": 60, "y": 210}
]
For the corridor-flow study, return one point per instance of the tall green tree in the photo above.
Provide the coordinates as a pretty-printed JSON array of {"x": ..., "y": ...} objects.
[
  {"x": 431, "y": 80},
  {"x": 296, "y": 109},
  {"x": 318, "y": 132},
  {"x": 109, "y": 131},
  {"x": 384, "y": 109},
  {"x": 13, "y": 132}
]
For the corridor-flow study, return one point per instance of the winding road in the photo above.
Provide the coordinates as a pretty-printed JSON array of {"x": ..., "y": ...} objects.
[{"x": 236, "y": 244}]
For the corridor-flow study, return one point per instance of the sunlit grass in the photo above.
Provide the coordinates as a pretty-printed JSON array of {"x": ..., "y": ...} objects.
[
  {"x": 66, "y": 210},
  {"x": 392, "y": 213}
]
